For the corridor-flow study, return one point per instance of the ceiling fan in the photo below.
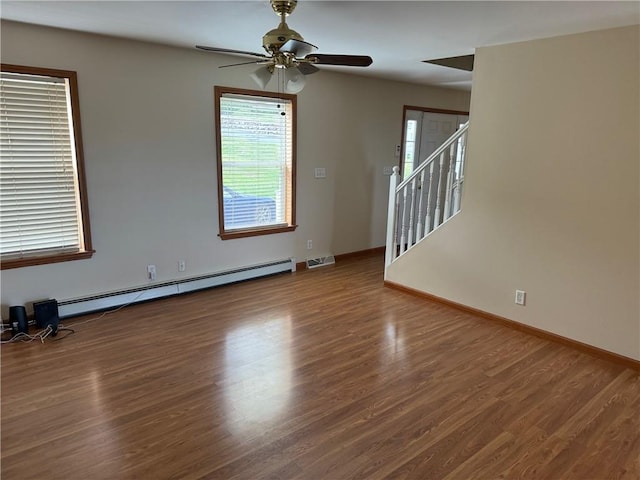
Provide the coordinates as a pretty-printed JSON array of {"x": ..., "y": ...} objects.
[{"x": 289, "y": 53}]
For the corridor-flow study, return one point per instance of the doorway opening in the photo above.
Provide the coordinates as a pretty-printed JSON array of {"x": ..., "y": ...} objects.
[{"x": 423, "y": 131}]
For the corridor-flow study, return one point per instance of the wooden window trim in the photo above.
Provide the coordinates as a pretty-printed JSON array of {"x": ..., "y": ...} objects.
[
  {"x": 46, "y": 259},
  {"x": 82, "y": 184},
  {"x": 257, "y": 231},
  {"x": 254, "y": 232}
]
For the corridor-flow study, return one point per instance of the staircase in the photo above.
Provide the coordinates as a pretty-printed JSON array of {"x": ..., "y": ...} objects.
[{"x": 426, "y": 199}]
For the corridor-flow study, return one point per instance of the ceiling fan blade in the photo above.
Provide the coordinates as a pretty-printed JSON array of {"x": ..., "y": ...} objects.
[
  {"x": 344, "y": 60},
  {"x": 307, "y": 68},
  {"x": 299, "y": 48},
  {"x": 253, "y": 62},
  {"x": 228, "y": 50}
]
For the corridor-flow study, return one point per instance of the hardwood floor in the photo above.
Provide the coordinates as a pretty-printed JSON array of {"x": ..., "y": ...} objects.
[{"x": 322, "y": 374}]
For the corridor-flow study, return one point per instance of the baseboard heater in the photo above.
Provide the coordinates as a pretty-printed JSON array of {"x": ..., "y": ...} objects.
[{"x": 81, "y": 306}]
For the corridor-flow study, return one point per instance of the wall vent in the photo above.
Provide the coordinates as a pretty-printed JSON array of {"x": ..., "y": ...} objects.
[{"x": 320, "y": 261}]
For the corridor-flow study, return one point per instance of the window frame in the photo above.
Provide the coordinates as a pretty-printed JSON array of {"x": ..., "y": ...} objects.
[
  {"x": 219, "y": 91},
  {"x": 88, "y": 251}
]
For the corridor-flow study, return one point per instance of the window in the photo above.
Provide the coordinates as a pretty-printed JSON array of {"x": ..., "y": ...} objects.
[
  {"x": 43, "y": 208},
  {"x": 256, "y": 145},
  {"x": 409, "y": 147}
]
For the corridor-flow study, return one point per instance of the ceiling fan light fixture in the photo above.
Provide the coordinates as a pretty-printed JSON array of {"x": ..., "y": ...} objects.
[
  {"x": 294, "y": 80},
  {"x": 261, "y": 76}
]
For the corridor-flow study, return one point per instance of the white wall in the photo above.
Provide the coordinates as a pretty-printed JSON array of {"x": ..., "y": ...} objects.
[
  {"x": 148, "y": 129},
  {"x": 552, "y": 192}
]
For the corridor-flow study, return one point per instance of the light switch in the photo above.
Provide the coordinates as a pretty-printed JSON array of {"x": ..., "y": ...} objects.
[{"x": 320, "y": 173}]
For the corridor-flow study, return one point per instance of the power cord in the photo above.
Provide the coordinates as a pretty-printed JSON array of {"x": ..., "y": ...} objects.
[
  {"x": 108, "y": 312},
  {"x": 25, "y": 337},
  {"x": 5, "y": 326},
  {"x": 41, "y": 335}
]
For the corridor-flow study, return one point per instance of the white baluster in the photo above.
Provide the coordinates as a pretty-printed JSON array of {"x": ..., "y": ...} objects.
[
  {"x": 403, "y": 232},
  {"x": 420, "y": 224},
  {"x": 463, "y": 151},
  {"x": 456, "y": 197},
  {"x": 436, "y": 219},
  {"x": 397, "y": 226},
  {"x": 413, "y": 191},
  {"x": 428, "y": 222},
  {"x": 447, "y": 198},
  {"x": 392, "y": 217}
]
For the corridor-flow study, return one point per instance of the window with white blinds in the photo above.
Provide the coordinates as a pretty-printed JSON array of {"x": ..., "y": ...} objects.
[
  {"x": 42, "y": 217},
  {"x": 256, "y": 162}
]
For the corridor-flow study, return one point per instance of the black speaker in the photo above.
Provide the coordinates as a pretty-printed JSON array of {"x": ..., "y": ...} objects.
[
  {"x": 18, "y": 320},
  {"x": 46, "y": 313}
]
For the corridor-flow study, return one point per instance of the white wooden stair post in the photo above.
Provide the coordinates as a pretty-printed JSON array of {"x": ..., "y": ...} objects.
[{"x": 391, "y": 218}]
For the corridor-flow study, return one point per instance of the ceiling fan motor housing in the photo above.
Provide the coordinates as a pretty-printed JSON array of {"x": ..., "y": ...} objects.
[{"x": 274, "y": 39}]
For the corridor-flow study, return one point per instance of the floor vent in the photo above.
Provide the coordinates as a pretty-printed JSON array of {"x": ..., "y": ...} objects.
[
  {"x": 104, "y": 301},
  {"x": 321, "y": 261}
]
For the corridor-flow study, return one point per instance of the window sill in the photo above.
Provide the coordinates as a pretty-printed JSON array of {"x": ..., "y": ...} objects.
[
  {"x": 253, "y": 232},
  {"x": 32, "y": 261}
]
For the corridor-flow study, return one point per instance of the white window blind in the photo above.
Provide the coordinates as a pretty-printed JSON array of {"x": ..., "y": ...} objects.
[
  {"x": 39, "y": 196},
  {"x": 256, "y": 136}
]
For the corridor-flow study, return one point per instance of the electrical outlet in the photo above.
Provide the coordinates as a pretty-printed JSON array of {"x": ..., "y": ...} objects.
[
  {"x": 151, "y": 272},
  {"x": 521, "y": 296},
  {"x": 182, "y": 265},
  {"x": 309, "y": 244}
]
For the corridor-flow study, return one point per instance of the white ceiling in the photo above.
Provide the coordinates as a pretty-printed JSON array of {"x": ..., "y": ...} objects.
[{"x": 398, "y": 35}]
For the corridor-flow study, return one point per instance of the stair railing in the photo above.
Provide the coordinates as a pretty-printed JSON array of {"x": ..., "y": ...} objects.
[{"x": 427, "y": 198}]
